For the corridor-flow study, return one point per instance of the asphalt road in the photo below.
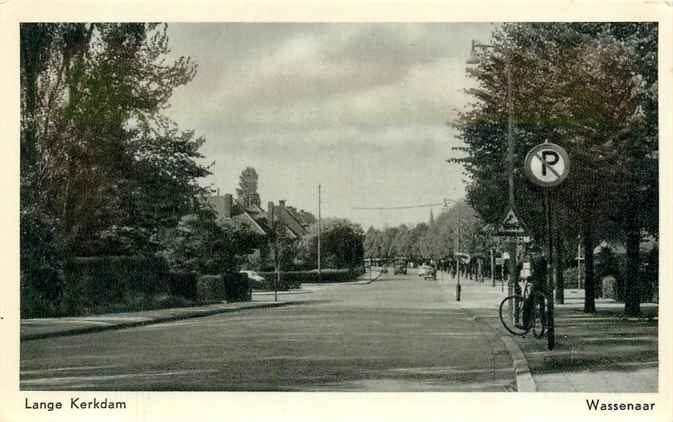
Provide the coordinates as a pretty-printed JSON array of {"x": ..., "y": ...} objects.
[{"x": 400, "y": 333}]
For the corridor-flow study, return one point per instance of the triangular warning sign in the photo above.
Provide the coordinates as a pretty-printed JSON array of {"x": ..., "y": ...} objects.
[
  {"x": 510, "y": 219},
  {"x": 511, "y": 224}
]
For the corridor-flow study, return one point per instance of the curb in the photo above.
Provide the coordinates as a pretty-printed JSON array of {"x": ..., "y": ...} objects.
[
  {"x": 524, "y": 379},
  {"x": 157, "y": 320},
  {"x": 368, "y": 281},
  {"x": 283, "y": 292}
]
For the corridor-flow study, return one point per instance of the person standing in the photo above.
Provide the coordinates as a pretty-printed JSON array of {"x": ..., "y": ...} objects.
[{"x": 537, "y": 281}]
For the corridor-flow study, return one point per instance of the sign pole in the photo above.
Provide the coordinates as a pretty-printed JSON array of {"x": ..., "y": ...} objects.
[
  {"x": 492, "y": 268},
  {"x": 550, "y": 287},
  {"x": 512, "y": 282}
]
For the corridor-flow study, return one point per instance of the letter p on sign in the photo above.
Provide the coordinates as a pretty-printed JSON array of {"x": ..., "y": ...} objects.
[{"x": 547, "y": 165}]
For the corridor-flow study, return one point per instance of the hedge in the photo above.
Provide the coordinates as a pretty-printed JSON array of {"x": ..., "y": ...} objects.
[
  {"x": 286, "y": 283},
  {"x": 231, "y": 287},
  {"x": 293, "y": 279},
  {"x": 95, "y": 285},
  {"x": 100, "y": 284},
  {"x": 40, "y": 292},
  {"x": 210, "y": 288},
  {"x": 183, "y": 284}
]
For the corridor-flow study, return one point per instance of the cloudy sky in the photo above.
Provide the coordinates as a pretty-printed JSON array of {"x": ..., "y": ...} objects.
[{"x": 361, "y": 109}]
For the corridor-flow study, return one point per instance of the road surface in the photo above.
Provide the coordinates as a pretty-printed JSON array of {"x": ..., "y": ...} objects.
[{"x": 400, "y": 333}]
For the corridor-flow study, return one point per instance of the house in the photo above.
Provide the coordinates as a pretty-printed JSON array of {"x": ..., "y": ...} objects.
[
  {"x": 277, "y": 218},
  {"x": 229, "y": 210},
  {"x": 647, "y": 244}
]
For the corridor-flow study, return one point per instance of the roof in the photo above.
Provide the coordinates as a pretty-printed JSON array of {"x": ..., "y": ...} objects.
[
  {"x": 253, "y": 216},
  {"x": 257, "y": 218},
  {"x": 293, "y": 223}
]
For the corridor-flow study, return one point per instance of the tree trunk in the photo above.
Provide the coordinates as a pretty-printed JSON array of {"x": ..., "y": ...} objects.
[
  {"x": 558, "y": 265},
  {"x": 589, "y": 299},
  {"x": 632, "y": 280}
]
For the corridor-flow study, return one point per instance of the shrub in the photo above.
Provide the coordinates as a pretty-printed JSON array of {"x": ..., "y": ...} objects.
[{"x": 237, "y": 287}]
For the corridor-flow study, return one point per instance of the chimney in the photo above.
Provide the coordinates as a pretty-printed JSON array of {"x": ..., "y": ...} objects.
[
  {"x": 269, "y": 212},
  {"x": 282, "y": 203},
  {"x": 228, "y": 204}
]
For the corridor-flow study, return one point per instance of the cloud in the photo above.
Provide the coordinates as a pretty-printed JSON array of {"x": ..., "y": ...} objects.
[{"x": 362, "y": 107}]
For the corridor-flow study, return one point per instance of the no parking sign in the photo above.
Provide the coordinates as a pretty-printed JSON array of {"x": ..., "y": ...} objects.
[{"x": 547, "y": 165}]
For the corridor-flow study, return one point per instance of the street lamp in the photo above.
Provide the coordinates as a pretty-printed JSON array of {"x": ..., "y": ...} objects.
[
  {"x": 457, "y": 247},
  {"x": 473, "y": 59}
]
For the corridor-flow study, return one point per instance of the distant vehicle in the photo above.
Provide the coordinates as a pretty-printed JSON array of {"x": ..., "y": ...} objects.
[
  {"x": 423, "y": 270},
  {"x": 430, "y": 274},
  {"x": 400, "y": 266},
  {"x": 256, "y": 280}
]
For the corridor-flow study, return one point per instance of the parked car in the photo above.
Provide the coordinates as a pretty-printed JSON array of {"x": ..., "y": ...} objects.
[
  {"x": 400, "y": 269},
  {"x": 256, "y": 280}
]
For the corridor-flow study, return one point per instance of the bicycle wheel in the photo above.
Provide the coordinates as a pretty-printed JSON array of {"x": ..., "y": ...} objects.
[{"x": 513, "y": 322}]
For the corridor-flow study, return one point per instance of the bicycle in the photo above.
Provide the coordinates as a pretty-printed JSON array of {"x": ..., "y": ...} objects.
[{"x": 527, "y": 313}]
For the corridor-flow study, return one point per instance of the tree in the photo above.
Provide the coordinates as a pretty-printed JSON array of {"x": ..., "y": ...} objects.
[
  {"x": 371, "y": 242},
  {"x": 201, "y": 244},
  {"x": 247, "y": 190},
  {"x": 341, "y": 244},
  {"x": 581, "y": 86},
  {"x": 436, "y": 240},
  {"x": 103, "y": 171},
  {"x": 402, "y": 243}
]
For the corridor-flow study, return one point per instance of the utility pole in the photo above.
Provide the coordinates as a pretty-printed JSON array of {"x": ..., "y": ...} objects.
[
  {"x": 579, "y": 260},
  {"x": 510, "y": 179},
  {"x": 275, "y": 290},
  {"x": 458, "y": 287},
  {"x": 276, "y": 227},
  {"x": 319, "y": 230}
]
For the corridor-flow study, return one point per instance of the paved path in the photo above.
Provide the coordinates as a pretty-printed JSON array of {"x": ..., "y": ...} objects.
[
  {"x": 400, "y": 333},
  {"x": 602, "y": 352}
]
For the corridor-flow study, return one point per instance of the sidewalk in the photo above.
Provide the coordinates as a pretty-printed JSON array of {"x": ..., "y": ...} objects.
[
  {"x": 37, "y": 328},
  {"x": 601, "y": 352}
]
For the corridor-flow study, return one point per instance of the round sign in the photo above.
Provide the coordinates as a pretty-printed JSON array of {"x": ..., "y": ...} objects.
[{"x": 547, "y": 164}]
